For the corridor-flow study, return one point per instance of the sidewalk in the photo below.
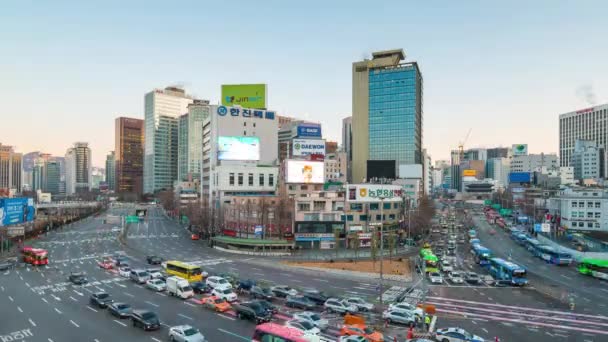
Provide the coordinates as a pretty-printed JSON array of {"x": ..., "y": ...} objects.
[{"x": 345, "y": 254}]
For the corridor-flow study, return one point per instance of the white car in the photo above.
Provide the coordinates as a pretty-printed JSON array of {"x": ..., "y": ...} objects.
[
  {"x": 456, "y": 277},
  {"x": 124, "y": 272},
  {"x": 336, "y": 305},
  {"x": 226, "y": 294},
  {"x": 218, "y": 283},
  {"x": 407, "y": 307},
  {"x": 313, "y": 318},
  {"x": 401, "y": 317},
  {"x": 352, "y": 338},
  {"x": 456, "y": 335},
  {"x": 185, "y": 333},
  {"x": 304, "y": 326},
  {"x": 446, "y": 266},
  {"x": 156, "y": 285},
  {"x": 436, "y": 278},
  {"x": 155, "y": 275},
  {"x": 359, "y": 303}
]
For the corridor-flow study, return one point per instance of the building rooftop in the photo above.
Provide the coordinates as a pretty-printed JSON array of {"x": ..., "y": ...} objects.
[{"x": 389, "y": 53}]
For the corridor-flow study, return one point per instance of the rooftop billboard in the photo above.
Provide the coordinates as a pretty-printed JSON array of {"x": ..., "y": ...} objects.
[
  {"x": 238, "y": 148},
  {"x": 305, "y": 147},
  {"x": 244, "y": 95},
  {"x": 304, "y": 171}
]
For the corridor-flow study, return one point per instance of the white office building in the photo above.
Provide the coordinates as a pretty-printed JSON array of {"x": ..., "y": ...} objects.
[
  {"x": 566, "y": 174},
  {"x": 587, "y": 160},
  {"x": 78, "y": 168},
  {"x": 582, "y": 209},
  {"x": 534, "y": 162},
  {"x": 587, "y": 124},
  {"x": 162, "y": 110},
  {"x": 500, "y": 171},
  {"x": 190, "y": 141}
]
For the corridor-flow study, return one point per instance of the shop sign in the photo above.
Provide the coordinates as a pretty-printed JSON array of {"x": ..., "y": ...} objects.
[{"x": 245, "y": 112}]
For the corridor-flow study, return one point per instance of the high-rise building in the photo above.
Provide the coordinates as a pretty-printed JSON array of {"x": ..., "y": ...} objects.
[
  {"x": 427, "y": 174},
  {"x": 497, "y": 152},
  {"x": 10, "y": 170},
  {"x": 586, "y": 124},
  {"x": 347, "y": 143},
  {"x": 53, "y": 177},
  {"x": 162, "y": 110},
  {"x": 588, "y": 160},
  {"x": 38, "y": 175},
  {"x": 498, "y": 169},
  {"x": 78, "y": 168},
  {"x": 111, "y": 171},
  {"x": 533, "y": 162},
  {"x": 129, "y": 156},
  {"x": 387, "y": 114},
  {"x": 190, "y": 140},
  {"x": 98, "y": 175}
]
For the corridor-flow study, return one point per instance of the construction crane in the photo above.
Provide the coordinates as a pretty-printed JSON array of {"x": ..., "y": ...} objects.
[{"x": 461, "y": 145}]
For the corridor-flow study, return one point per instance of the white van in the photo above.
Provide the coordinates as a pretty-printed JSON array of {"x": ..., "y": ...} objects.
[{"x": 179, "y": 287}]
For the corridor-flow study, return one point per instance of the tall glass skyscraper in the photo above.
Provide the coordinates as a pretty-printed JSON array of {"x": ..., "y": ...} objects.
[{"x": 387, "y": 112}]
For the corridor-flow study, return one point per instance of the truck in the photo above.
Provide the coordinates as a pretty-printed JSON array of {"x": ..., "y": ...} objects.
[{"x": 179, "y": 287}]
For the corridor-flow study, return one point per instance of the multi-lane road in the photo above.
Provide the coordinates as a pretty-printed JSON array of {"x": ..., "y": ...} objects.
[{"x": 39, "y": 304}]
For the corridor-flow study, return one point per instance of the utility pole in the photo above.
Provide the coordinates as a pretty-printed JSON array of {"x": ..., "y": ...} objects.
[{"x": 381, "y": 249}]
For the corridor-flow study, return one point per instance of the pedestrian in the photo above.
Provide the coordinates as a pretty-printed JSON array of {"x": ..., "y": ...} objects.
[
  {"x": 410, "y": 333},
  {"x": 427, "y": 322}
]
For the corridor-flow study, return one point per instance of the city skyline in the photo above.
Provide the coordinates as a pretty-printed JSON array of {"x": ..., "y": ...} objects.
[{"x": 475, "y": 63}]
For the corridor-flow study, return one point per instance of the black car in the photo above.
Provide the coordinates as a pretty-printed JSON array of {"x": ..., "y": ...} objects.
[
  {"x": 145, "y": 319},
  {"x": 121, "y": 261},
  {"x": 300, "y": 302},
  {"x": 245, "y": 285},
  {"x": 253, "y": 311},
  {"x": 261, "y": 293},
  {"x": 78, "y": 278},
  {"x": 316, "y": 296},
  {"x": 154, "y": 260},
  {"x": 268, "y": 306},
  {"x": 200, "y": 287},
  {"x": 100, "y": 300},
  {"x": 120, "y": 310}
]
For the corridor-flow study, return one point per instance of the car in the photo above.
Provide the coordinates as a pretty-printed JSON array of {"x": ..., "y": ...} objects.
[
  {"x": 456, "y": 335},
  {"x": 219, "y": 283},
  {"x": 455, "y": 277},
  {"x": 154, "y": 260},
  {"x": 361, "y": 330},
  {"x": 253, "y": 311},
  {"x": 106, "y": 264},
  {"x": 200, "y": 287},
  {"x": 315, "y": 295},
  {"x": 436, "y": 278},
  {"x": 139, "y": 276},
  {"x": 300, "y": 302},
  {"x": 120, "y": 310},
  {"x": 404, "y": 306},
  {"x": 336, "y": 305},
  {"x": 124, "y": 271},
  {"x": 156, "y": 275},
  {"x": 271, "y": 308},
  {"x": 304, "y": 326},
  {"x": 156, "y": 285},
  {"x": 359, "y": 303},
  {"x": 312, "y": 317},
  {"x": 472, "y": 278},
  {"x": 446, "y": 266},
  {"x": 216, "y": 304},
  {"x": 226, "y": 294},
  {"x": 185, "y": 333},
  {"x": 78, "y": 278},
  {"x": 245, "y": 285},
  {"x": 261, "y": 293},
  {"x": 355, "y": 338},
  {"x": 120, "y": 260},
  {"x": 195, "y": 237},
  {"x": 145, "y": 319},
  {"x": 100, "y": 300},
  {"x": 283, "y": 291},
  {"x": 401, "y": 317}
]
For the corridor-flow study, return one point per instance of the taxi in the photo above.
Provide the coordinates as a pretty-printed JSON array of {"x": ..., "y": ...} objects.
[
  {"x": 362, "y": 330},
  {"x": 106, "y": 264},
  {"x": 216, "y": 304}
]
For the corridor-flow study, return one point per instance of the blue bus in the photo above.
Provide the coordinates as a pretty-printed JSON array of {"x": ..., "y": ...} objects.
[
  {"x": 521, "y": 238},
  {"x": 552, "y": 255},
  {"x": 482, "y": 254},
  {"x": 513, "y": 232},
  {"x": 506, "y": 270},
  {"x": 475, "y": 241},
  {"x": 531, "y": 244},
  {"x": 472, "y": 234}
]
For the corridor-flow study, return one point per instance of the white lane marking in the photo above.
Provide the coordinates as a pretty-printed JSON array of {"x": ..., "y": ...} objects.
[
  {"x": 155, "y": 305},
  {"x": 565, "y": 276},
  {"x": 44, "y": 299},
  {"x": 58, "y": 311},
  {"x": 121, "y": 285},
  {"x": 227, "y": 317},
  {"x": 323, "y": 280},
  {"x": 42, "y": 274},
  {"x": 155, "y": 339},
  {"x": 128, "y": 294},
  {"x": 19, "y": 308},
  {"x": 32, "y": 322},
  {"x": 56, "y": 298},
  {"x": 119, "y": 322},
  {"x": 76, "y": 325},
  {"x": 2, "y": 287},
  {"x": 11, "y": 298},
  {"x": 78, "y": 293},
  {"x": 92, "y": 309},
  {"x": 161, "y": 294},
  {"x": 72, "y": 298},
  {"x": 186, "y": 317},
  {"x": 51, "y": 340},
  {"x": 27, "y": 284},
  {"x": 484, "y": 329},
  {"x": 96, "y": 340},
  {"x": 189, "y": 304}
]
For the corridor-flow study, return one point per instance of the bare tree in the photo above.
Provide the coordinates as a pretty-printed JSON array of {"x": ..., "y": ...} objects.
[
  {"x": 337, "y": 241},
  {"x": 355, "y": 244},
  {"x": 374, "y": 247},
  {"x": 392, "y": 243},
  {"x": 167, "y": 199}
]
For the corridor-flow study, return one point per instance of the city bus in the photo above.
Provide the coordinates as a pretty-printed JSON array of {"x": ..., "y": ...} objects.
[
  {"x": 430, "y": 263},
  {"x": 552, "y": 255},
  {"x": 597, "y": 268},
  {"x": 482, "y": 255},
  {"x": 472, "y": 234},
  {"x": 521, "y": 238},
  {"x": 505, "y": 270},
  {"x": 35, "y": 256},
  {"x": 273, "y": 332},
  {"x": 531, "y": 244},
  {"x": 191, "y": 273}
]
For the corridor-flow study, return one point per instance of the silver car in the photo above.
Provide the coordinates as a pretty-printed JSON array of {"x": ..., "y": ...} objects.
[
  {"x": 336, "y": 305},
  {"x": 401, "y": 317},
  {"x": 359, "y": 303},
  {"x": 185, "y": 333},
  {"x": 156, "y": 285},
  {"x": 313, "y": 318}
]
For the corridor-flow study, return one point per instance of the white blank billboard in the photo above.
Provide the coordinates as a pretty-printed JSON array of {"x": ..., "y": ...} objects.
[{"x": 304, "y": 171}]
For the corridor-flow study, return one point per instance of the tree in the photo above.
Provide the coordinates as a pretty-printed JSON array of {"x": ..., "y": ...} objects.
[
  {"x": 356, "y": 242},
  {"x": 167, "y": 199},
  {"x": 337, "y": 241},
  {"x": 374, "y": 247},
  {"x": 392, "y": 243}
]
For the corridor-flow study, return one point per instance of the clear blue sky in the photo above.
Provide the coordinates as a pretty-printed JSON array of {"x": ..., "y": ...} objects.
[{"x": 67, "y": 69}]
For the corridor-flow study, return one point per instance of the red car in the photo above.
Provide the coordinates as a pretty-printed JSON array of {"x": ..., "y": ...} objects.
[
  {"x": 106, "y": 264},
  {"x": 195, "y": 237}
]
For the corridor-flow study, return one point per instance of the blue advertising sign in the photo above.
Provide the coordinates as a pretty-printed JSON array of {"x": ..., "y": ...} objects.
[
  {"x": 309, "y": 130},
  {"x": 519, "y": 177},
  {"x": 16, "y": 210},
  {"x": 522, "y": 219},
  {"x": 537, "y": 227},
  {"x": 258, "y": 230}
]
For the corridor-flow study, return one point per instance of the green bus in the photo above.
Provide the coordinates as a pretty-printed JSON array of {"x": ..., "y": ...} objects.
[
  {"x": 430, "y": 263},
  {"x": 597, "y": 268}
]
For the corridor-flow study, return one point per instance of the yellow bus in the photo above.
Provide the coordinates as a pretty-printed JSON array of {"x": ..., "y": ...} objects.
[{"x": 189, "y": 272}]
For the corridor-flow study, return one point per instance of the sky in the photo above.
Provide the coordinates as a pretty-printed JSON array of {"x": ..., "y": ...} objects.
[{"x": 503, "y": 70}]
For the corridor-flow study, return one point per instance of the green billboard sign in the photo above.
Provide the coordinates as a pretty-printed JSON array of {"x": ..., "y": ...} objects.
[
  {"x": 505, "y": 212},
  {"x": 487, "y": 202},
  {"x": 132, "y": 219},
  {"x": 244, "y": 95}
]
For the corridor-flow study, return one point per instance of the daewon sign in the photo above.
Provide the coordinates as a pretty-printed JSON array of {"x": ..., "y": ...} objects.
[{"x": 374, "y": 193}]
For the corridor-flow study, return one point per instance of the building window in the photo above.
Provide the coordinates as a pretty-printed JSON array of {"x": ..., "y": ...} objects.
[
  {"x": 597, "y": 225},
  {"x": 589, "y": 215},
  {"x": 574, "y": 205},
  {"x": 304, "y": 187},
  {"x": 378, "y": 218},
  {"x": 304, "y": 206},
  {"x": 581, "y": 204},
  {"x": 356, "y": 206},
  {"x": 244, "y": 133},
  {"x": 251, "y": 179},
  {"x": 362, "y": 217},
  {"x": 598, "y": 204},
  {"x": 350, "y": 217},
  {"x": 240, "y": 179},
  {"x": 391, "y": 216},
  {"x": 395, "y": 205},
  {"x": 231, "y": 178},
  {"x": 386, "y": 206},
  {"x": 574, "y": 214},
  {"x": 589, "y": 224},
  {"x": 271, "y": 179},
  {"x": 581, "y": 224},
  {"x": 598, "y": 215},
  {"x": 245, "y": 124},
  {"x": 373, "y": 206},
  {"x": 261, "y": 179}
]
